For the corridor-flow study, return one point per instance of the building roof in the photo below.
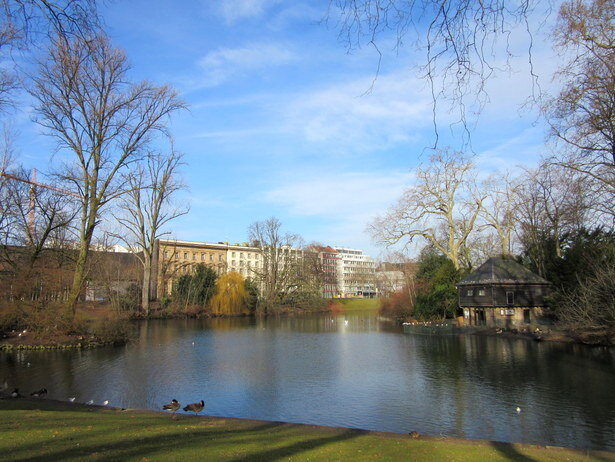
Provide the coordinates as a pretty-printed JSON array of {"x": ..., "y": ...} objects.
[{"x": 498, "y": 270}]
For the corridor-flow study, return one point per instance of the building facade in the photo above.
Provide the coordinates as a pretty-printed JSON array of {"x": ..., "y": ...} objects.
[
  {"x": 502, "y": 293},
  {"x": 247, "y": 261},
  {"x": 175, "y": 258},
  {"x": 355, "y": 273},
  {"x": 328, "y": 259}
]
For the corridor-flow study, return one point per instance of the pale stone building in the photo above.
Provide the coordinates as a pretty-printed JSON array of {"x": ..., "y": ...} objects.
[
  {"x": 175, "y": 258},
  {"x": 247, "y": 261}
]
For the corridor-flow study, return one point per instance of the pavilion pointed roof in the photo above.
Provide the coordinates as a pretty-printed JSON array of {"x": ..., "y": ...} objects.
[{"x": 498, "y": 270}]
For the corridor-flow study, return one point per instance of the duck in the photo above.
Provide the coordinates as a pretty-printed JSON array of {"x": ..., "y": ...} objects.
[
  {"x": 15, "y": 393},
  {"x": 39, "y": 393},
  {"x": 172, "y": 406},
  {"x": 195, "y": 407}
]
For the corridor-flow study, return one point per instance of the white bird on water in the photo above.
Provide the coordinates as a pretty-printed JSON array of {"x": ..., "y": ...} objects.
[
  {"x": 72, "y": 399},
  {"x": 105, "y": 402},
  {"x": 518, "y": 410},
  {"x": 90, "y": 401}
]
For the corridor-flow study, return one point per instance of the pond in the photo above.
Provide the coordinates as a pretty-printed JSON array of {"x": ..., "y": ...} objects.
[{"x": 349, "y": 370}]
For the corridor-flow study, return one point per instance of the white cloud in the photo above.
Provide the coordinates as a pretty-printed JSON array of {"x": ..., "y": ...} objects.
[
  {"x": 223, "y": 63},
  {"x": 347, "y": 115},
  {"x": 354, "y": 195},
  {"x": 234, "y": 10}
]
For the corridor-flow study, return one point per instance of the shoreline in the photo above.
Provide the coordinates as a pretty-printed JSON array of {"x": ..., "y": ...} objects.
[
  {"x": 598, "y": 338},
  {"x": 17, "y": 341},
  {"x": 75, "y": 425}
]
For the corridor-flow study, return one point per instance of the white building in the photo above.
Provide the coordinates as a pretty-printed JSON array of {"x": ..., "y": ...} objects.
[
  {"x": 245, "y": 260},
  {"x": 355, "y": 273}
]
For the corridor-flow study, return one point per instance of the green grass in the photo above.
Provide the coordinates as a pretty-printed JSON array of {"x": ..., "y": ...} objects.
[
  {"x": 359, "y": 304},
  {"x": 42, "y": 430}
]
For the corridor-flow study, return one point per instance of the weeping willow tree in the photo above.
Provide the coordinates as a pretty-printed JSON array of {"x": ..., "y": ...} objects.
[{"x": 231, "y": 296}]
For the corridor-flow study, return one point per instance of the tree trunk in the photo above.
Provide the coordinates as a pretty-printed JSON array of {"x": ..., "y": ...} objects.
[
  {"x": 78, "y": 278},
  {"x": 145, "y": 288}
]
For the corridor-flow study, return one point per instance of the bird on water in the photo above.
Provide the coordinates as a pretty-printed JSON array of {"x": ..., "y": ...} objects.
[
  {"x": 195, "y": 407},
  {"x": 172, "y": 406},
  {"x": 39, "y": 393}
]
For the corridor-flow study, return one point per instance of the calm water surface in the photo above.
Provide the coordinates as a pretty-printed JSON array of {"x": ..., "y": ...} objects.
[{"x": 346, "y": 370}]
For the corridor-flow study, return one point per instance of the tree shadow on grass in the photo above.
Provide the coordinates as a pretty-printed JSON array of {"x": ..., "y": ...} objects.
[
  {"x": 509, "y": 451},
  {"x": 185, "y": 439},
  {"x": 297, "y": 448},
  {"x": 141, "y": 446}
]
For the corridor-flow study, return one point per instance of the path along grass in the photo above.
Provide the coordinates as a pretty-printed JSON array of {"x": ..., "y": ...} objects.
[{"x": 43, "y": 430}]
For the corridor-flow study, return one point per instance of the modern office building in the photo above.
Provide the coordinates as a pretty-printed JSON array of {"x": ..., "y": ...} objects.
[{"x": 355, "y": 273}]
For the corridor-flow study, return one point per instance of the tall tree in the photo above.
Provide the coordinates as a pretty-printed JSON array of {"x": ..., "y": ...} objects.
[
  {"x": 86, "y": 102},
  {"x": 147, "y": 207},
  {"x": 441, "y": 208},
  {"x": 277, "y": 275},
  {"x": 27, "y": 23},
  {"x": 499, "y": 207},
  {"x": 582, "y": 115},
  {"x": 551, "y": 203}
]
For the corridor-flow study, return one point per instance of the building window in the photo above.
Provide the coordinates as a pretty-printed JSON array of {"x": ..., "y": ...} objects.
[
  {"x": 194, "y": 256},
  {"x": 481, "y": 292},
  {"x": 202, "y": 257},
  {"x": 211, "y": 257},
  {"x": 510, "y": 298},
  {"x": 185, "y": 255},
  {"x": 233, "y": 254},
  {"x": 470, "y": 292},
  {"x": 166, "y": 254}
]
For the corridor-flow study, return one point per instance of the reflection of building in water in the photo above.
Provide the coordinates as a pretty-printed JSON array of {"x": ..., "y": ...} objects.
[{"x": 502, "y": 293}]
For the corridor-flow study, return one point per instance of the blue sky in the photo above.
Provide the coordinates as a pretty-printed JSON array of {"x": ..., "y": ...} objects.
[{"x": 279, "y": 121}]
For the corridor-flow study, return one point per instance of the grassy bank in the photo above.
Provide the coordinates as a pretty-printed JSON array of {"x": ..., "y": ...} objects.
[
  {"x": 41, "y": 430},
  {"x": 358, "y": 304}
]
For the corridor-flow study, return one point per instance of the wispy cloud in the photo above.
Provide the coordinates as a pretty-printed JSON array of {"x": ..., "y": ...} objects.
[
  {"x": 361, "y": 195},
  {"x": 234, "y": 10},
  {"x": 224, "y": 63},
  {"x": 347, "y": 114}
]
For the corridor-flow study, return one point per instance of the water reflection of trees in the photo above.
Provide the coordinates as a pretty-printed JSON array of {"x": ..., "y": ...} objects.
[
  {"x": 342, "y": 370},
  {"x": 491, "y": 376}
]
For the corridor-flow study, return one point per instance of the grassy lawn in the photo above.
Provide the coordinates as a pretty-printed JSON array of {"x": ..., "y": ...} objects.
[
  {"x": 359, "y": 304},
  {"x": 41, "y": 430}
]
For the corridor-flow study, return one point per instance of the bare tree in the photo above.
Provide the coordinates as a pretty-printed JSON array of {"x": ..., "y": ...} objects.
[
  {"x": 592, "y": 304},
  {"x": 26, "y": 23},
  {"x": 86, "y": 102},
  {"x": 148, "y": 207},
  {"x": 582, "y": 115},
  {"x": 441, "y": 208},
  {"x": 551, "y": 202},
  {"x": 464, "y": 41},
  {"x": 499, "y": 207},
  {"x": 280, "y": 257}
]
